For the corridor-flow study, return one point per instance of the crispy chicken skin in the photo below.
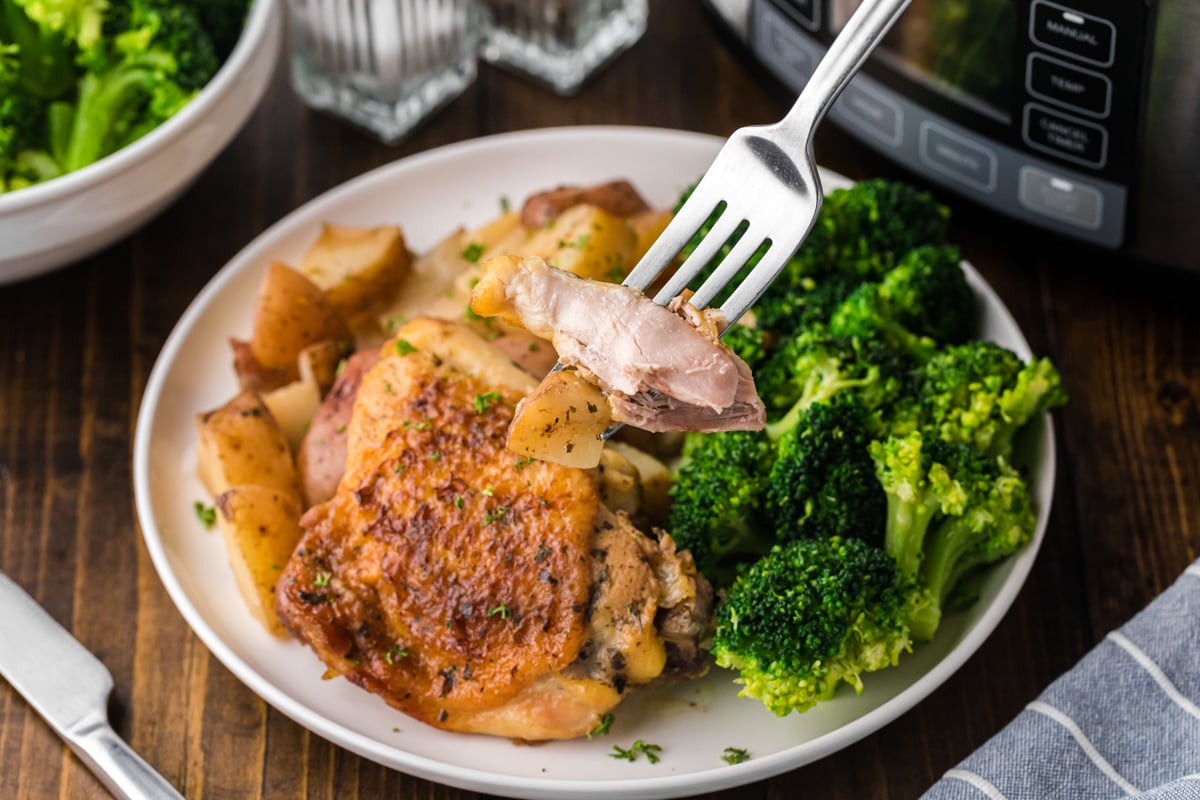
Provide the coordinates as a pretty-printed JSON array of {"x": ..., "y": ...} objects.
[{"x": 463, "y": 584}]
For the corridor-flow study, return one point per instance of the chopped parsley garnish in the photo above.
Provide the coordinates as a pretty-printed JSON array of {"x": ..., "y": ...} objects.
[
  {"x": 341, "y": 367},
  {"x": 404, "y": 347},
  {"x": 638, "y": 748},
  {"x": 501, "y": 610},
  {"x": 458, "y": 502},
  {"x": 421, "y": 426},
  {"x": 489, "y": 491},
  {"x": 485, "y": 401},
  {"x": 504, "y": 206},
  {"x": 616, "y": 274},
  {"x": 206, "y": 514},
  {"x": 602, "y": 729},
  {"x": 435, "y": 456},
  {"x": 394, "y": 321},
  {"x": 735, "y": 755},
  {"x": 492, "y": 516},
  {"x": 471, "y": 315},
  {"x": 472, "y": 252},
  {"x": 394, "y": 654},
  {"x": 322, "y": 579},
  {"x": 341, "y": 428},
  {"x": 525, "y": 461}
]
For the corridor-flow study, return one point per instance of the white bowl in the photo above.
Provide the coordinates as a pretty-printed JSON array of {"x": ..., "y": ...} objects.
[{"x": 63, "y": 220}]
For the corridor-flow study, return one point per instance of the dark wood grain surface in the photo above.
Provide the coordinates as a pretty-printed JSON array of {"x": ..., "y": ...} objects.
[{"x": 80, "y": 343}]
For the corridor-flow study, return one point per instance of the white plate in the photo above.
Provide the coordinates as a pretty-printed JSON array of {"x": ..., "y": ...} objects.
[{"x": 429, "y": 195}]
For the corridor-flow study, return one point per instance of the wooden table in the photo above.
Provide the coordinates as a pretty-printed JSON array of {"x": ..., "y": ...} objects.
[{"x": 79, "y": 345}]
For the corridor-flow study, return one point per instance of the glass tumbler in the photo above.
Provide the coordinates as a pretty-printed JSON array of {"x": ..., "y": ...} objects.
[
  {"x": 561, "y": 42},
  {"x": 384, "y": 65}
]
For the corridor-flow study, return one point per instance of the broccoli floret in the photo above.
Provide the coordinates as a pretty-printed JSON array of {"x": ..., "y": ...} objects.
[
  {"x": 91, "y": 76},
  {"x": 918, "y": 486},
  {"x": 46, "y": 36},
  {"x": 866, "y": 313},
  {"x": 860, "y": 234},
  {"x": 815, "y": 366},
  {"x": 981, "y": 394},
  {"x": 867, "y": 229},
  {"x": 810, "y": 302},
  {"x": 158, "y": 58},
  {"x": 927, "y": 293},
  {"x": 823, "y": 480},
  {"x": 716, "y": 499},
  {"x": 997, "y": 520},
  {"x": 950, "y": 508},
  {"x": 812, "y": 615}
]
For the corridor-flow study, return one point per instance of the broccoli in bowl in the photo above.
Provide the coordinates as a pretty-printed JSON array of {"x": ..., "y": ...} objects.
[{"x": 80, "y": 80}]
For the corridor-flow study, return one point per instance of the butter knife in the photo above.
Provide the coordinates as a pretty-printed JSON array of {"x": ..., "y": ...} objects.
[{"x": 69, "y": 687}]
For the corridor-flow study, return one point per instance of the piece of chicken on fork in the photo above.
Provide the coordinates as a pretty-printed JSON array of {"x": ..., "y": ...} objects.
[{"x": 470, "y": 587}]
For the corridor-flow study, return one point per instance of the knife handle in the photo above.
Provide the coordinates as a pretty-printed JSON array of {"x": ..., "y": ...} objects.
[{"x": 123, "y": 771}]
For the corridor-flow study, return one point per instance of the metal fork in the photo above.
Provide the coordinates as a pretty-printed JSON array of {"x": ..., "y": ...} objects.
[{"x": 765, "y": 178}]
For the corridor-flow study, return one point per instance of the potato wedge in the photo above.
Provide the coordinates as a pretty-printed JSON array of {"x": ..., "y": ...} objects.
[
  {"x": 432, "y": 286},
  {"x": 241, "y": 443},
  {"x": 359, "y": 269},
  {"x": 587, "y": 241},
  {"x": 647, "y": 226},
  {"x": 261, "y": 526},
  {"x": 293, "y": 407},
  {"x": 292, "y": 314},
  {"x": 319, "y": 363},
  {"x": 561, "y": 421}
]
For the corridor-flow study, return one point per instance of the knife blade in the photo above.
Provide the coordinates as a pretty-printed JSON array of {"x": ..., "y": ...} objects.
[{"x": 69, "y": 688}]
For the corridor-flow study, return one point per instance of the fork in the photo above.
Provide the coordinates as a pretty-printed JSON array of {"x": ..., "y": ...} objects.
[{"x": 764, "y": 179}]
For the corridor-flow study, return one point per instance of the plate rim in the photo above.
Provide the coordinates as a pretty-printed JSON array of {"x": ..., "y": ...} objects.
[{"x": 714, "y": 779}]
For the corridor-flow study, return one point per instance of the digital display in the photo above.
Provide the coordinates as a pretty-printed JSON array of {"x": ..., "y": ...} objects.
[{"x": 963, "y": 49}]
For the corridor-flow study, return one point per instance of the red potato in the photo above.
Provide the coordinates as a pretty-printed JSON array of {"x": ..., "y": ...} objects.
[
  {"x": 618, "y": 198},
  {"x": 322, "y": 456}
]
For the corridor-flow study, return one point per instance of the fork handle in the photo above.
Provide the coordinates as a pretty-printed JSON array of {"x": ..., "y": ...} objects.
[{"x": 867, "y": 26}]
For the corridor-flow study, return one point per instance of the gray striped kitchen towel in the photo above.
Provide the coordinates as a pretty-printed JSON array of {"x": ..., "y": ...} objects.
[{"x": 1124, "y": 722}]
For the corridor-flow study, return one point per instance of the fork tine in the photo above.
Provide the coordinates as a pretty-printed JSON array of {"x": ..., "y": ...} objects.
[
  {"x": 739, "y": 254},
  {"x": 754, "y": 284},
  {"x": 682, "y": 228},
  {"x": 722, "y": 229}
]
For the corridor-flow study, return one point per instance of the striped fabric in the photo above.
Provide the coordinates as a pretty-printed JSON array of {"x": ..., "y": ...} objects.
[{"x": 1124, "y": 722}]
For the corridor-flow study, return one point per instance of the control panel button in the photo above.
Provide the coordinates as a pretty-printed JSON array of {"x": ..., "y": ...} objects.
[
  {"x": 1066, "y": 200},
  {"x": 1080, "y": 89},
  {"x": 789, "y": 53},
  {"x": 958, "y": 157},
  {"x": 1066, "y": 30},
  {"x": 870, "y": 112},
  {"x": 1066, "y": 137}
]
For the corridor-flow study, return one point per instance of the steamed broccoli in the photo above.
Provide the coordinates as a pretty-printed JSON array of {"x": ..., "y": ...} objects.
[
  {"x": 812, "y": 615},
  {"x": 822, "y": 482},
  {"x": 815, "y": 366},
  {"x": 928, "y": 294},
  {"x": 94, "y": 75},
  {"x": 860, "y": 234},
  {"x": 716, "y": 501},
  {"x": 981, "y": 394},
  {"x": 950, "y": 509}
]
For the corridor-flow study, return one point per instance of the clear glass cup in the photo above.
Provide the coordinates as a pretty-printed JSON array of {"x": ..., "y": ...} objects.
[
  {"x": 561, "y": 42},
  {"x": 384, "y": 65}
]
